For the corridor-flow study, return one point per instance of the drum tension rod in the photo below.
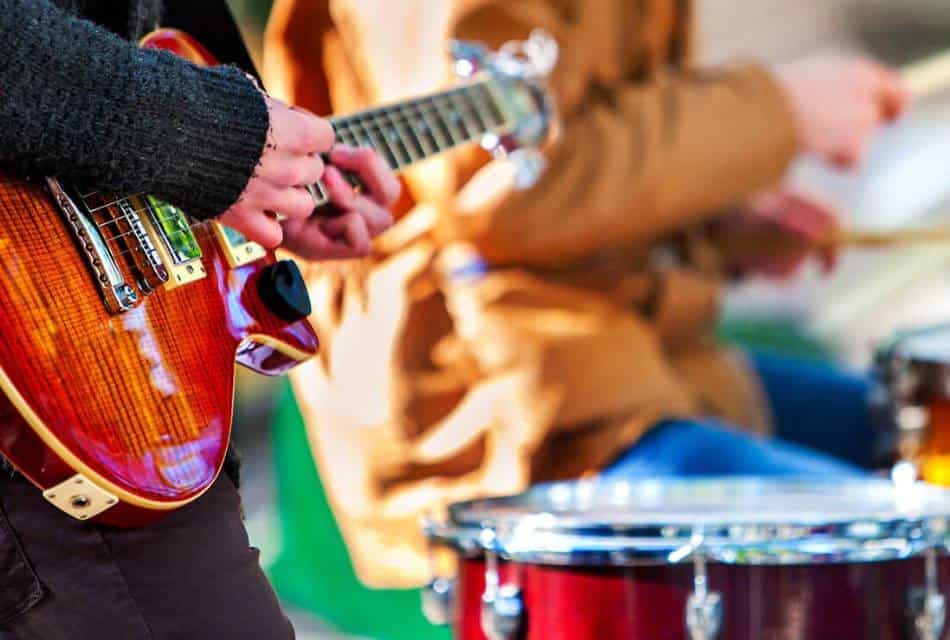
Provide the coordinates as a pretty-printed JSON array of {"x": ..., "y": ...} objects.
[
  {"x": 502, "y": 605},
  {"x": 703, "y": 607},
  {"x": 927, "y": 607},
  {"x": 438, "y": 595}
]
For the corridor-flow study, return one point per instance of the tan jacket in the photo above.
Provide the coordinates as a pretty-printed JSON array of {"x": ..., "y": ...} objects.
[{"x": 594, "y": 320}]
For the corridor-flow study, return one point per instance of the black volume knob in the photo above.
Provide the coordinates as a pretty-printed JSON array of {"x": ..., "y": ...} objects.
[{"x": 284, "y": 291}]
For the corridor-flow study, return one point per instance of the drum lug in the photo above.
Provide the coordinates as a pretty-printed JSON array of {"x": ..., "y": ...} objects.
[
  {"x": 502, "y": 605},
  {"x": 704, "y": 615},
  {"x": 703, "y": 607},
  {"x": 927, "y": 607},
  {"x": 503, "y": 613},
  {"x": 927, "y": 613},
  {"x": 438, "y": 601}
]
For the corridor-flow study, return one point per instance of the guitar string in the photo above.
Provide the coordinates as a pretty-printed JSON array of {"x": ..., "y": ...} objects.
[
  {"x": 403, "y": 115},
  {"x": 353, "y": 121},
  {"x": 117, "y": 219}
]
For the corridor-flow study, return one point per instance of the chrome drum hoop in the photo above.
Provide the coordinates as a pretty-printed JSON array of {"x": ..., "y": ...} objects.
[{"x": 531, "y": 528}]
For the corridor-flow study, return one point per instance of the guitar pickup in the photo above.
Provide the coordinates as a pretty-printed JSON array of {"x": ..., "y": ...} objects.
[
  {"x": 237, "y": 249},
  {"x": 174, "y": 241}
]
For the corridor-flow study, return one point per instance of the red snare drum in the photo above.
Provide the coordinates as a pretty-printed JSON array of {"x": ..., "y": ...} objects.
[{"x": 730, "y": 559}]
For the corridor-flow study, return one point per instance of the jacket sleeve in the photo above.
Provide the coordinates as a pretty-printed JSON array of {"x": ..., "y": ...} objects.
[
  {"x": 81, "y": 103},
  {"x": 634, "y": 160}
]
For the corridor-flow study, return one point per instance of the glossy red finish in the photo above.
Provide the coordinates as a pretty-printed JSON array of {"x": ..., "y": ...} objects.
[
  {"x": 819, "y": 602},
  {"x": 179, "y": 43},
  {"x": 143, "y": 398}
]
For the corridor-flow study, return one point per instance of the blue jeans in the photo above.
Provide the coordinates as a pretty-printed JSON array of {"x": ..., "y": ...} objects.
[{"x": 822, "y": 421}]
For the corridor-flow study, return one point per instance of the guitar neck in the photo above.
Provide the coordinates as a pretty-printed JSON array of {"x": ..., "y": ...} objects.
[{"x": 408, "y": 132}]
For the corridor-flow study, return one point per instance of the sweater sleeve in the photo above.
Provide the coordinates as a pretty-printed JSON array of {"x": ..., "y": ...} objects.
[{"x": 86, "y": 106}]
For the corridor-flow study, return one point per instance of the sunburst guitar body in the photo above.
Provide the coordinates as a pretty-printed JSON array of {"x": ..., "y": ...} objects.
[{"x": 120, "y": 325}]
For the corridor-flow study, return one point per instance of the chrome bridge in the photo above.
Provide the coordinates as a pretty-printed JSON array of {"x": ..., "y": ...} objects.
[
  {"x": 133, "y": 245},
  {"x": 150, "y": 272},
  {"x": 117, "y": 293}
]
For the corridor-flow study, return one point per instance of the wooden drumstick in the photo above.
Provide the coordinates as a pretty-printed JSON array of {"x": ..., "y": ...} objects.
[
  {"x": 758, "y": 242},
  {"x": 869, "y": 239},
  {"x": 928, "y": 76}
]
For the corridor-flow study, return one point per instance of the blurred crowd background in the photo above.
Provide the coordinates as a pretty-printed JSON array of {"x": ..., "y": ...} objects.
[{"x": 843, "y": 317}]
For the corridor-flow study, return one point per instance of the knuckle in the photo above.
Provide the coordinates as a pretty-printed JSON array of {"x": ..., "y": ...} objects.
[
  {"x": 394, "y": 189},
  {"x": 321, "y": 134},
  {"x": 286, "y": 175},
  {"x": 303, "y": 206},
  {"x": 316, "y": 168},
  {"x": 275, "y": 240},
  {"x": 868, "y": 74},
  {"x": 343, "y": 196}
]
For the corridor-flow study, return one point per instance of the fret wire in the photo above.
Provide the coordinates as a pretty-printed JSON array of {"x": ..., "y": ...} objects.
[
  {"x": 391, "y": 135},
  {"x": 460, "y": 108},
  {"x": 437, "y": 137},
  {"x": 454, "y": 117},
  {"x": 404, "y": 121},
  {"x": 409, "y": 126},
  {"x": 381, "y": 136},
  {"x": 445, "y": 125},
  {"x": 469, "y": 126},
  {"x": 347, "y": 133},
  {"x": 451, "y": 132},
  {"x": 378, "y": 139},
  {"x": 488, "y": 122},
  {"x": 344, "y": 135},
  {"x": 366, "y": 137},
  {"x": 467, "y": 101},
  {"x": 394, "y": 126},
  {"x": 418, "y": 105},
  {"x": 372, "y": 113},
  {"x": 483, "y": 95},
  {"x": 361, "y": 134},
  {"x": 454, "y": 137},
  {"x": 414, "y": 123},
  {"x": 382, "y": 129},
  {"x": 496, "y": 107},
  {"x": 435, "y": 119}
]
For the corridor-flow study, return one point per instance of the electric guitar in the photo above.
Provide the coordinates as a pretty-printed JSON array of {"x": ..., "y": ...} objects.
[{"x": 121, "y": 319}]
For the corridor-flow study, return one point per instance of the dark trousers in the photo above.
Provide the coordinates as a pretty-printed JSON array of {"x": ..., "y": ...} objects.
[{"x": 191, "y": 575}]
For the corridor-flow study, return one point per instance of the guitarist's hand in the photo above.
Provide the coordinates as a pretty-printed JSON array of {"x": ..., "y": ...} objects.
[
  {"x": 360, "y": 216},
  {"x": 290, "y": 160}
]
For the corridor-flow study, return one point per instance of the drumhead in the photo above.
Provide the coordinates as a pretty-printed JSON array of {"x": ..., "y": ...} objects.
[
  {"x": 736, "y": 520},
  {"x": 930, "y": 345}
]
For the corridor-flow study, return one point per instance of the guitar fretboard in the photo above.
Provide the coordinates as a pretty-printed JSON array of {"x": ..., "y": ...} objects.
[{"x": 417, "y": 129}]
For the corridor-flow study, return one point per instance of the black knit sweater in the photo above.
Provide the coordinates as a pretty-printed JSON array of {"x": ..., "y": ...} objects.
[{"x": 79, "y": 102}]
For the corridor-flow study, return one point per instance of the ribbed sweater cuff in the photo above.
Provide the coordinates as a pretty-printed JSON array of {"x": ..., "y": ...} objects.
[{"x": 221, "y": 143}]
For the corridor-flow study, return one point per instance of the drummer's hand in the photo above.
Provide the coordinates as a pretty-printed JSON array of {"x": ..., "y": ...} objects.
[
  {"x": 840, "y": 103},
  {"x": 775, "y": 232}
]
